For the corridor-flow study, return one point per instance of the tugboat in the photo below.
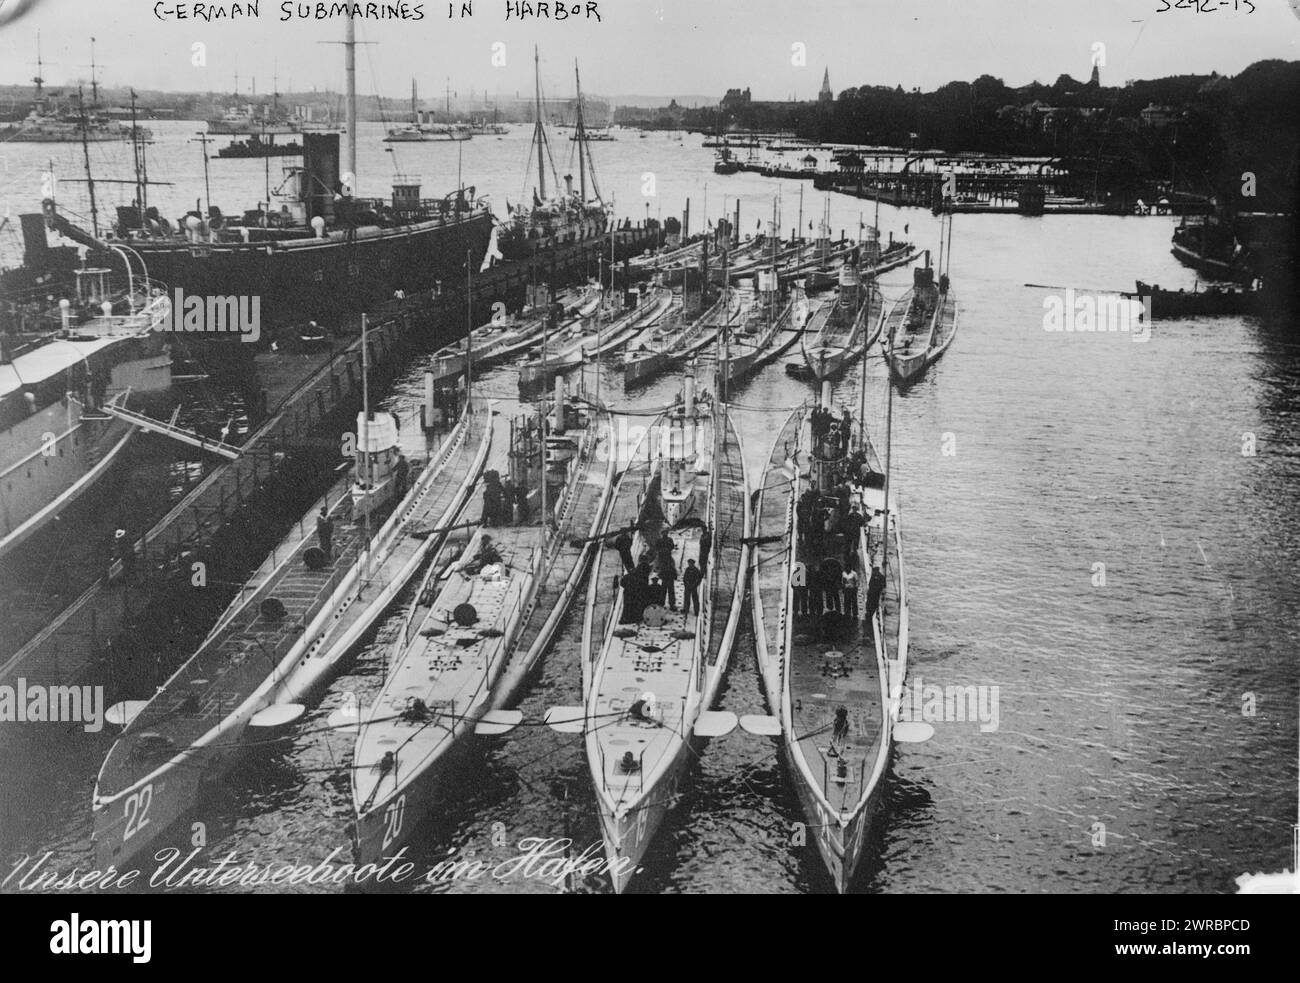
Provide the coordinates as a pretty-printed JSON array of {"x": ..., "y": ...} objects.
[{"x": 570, "y": 217}]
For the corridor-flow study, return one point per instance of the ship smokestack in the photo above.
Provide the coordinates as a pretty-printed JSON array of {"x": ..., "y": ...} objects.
[
  {"x": 428, "y": 400},
  {"x": 826, "y": 394},
  {"x": 689, "y": 395}
]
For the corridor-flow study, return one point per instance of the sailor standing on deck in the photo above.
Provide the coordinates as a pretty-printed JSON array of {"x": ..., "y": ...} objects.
[
  {"x": 624, "y": 546},
  {"x": 508, "y": 495},
  {"x": 839, "y": 731},
  {"x": 656, "y": 593},
  {"x": 853, "y": 523},
  {"x": 832, "y": 582},
  {"x": 668, "y": 572},
  {"x": 875, "y": 587},
  {"x": 691, "y": 578},
  {"x": 803, "y": 511},
  {"x": 850, "y": 583},
  {"x": 401, "y": 474},
  {"x": 325, "y": 532},
  {"x": 521, "y": 499},
  {"x": 491, "y": 499}
]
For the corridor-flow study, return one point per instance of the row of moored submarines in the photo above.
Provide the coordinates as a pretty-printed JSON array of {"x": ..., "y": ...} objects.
[{"x": 503, "y": 519}]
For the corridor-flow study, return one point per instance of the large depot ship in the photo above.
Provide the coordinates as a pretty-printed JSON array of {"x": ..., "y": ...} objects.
[{"x": 57, "y": 436}]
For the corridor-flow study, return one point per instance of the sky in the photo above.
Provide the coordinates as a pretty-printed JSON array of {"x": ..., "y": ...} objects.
[{"x": 779, "y": 48}]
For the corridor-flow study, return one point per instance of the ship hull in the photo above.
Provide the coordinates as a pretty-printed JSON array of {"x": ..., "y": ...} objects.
[
  {"x": 628, "y": 835},
  {"x": 1215, "y": 269},
  {"x": 35, "y": 136},
  {"x": 839, "y": 842},
  {"x": 55, "y": 482},
  {"x": 321, "y": 278},
  {"x": 382, "y": 831},
  {"x": 242, "y": 152},
  {"x": 127, "y": 825},
  {"x": 907, "y": 368},
  {"x": 515, "y": 245},
  {"x": 226, "y": 128},
  {"x": 53, "y": 456}
]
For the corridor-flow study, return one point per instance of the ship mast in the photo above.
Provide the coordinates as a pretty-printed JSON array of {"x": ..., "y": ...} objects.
[
  {"x": 369, "y": 471},
  {"x": 469, "y": 327},
  {"x": 350, "y": 75},
  {"x": 776, "y": 280},
  {"x": 581, "y": 134},
  {"x": 541, "y": 423},
  {"x": 85, "y": 150},
  {"x": 136, "y": 151},
  {"x": 539, "y": 134},
  {"x": 94, "y": 80},
  {"x": 38, "y": 80},
  {"x": 889, "y": 440}
]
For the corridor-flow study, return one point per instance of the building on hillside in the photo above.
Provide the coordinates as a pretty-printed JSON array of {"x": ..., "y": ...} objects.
[{"x": 735, "y": 98}]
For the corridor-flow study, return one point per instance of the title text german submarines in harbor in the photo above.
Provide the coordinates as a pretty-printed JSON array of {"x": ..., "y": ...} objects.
[{"x": 554, "y": 10}]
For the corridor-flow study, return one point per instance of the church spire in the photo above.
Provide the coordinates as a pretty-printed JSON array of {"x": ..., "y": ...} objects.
[{"x": 826, "y": 95}]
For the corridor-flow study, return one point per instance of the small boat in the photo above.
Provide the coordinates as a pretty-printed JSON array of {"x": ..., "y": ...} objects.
[
  {"x": 256, "y": 146},
  {"x": 280, "y": 639},
  {"x": 833, "y": 677},
  {"x": 410, "y": 132},
  {"x": 725, "y": 163},
  {"x": 464, "y": 631},
  {"x": 838, "y": 332},
  {"x": 407, "y": 133},
  {"x": 921, "y": 325},
  {"x": 652, "y": 671},
  {"x": 1201, "y": 301}
]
